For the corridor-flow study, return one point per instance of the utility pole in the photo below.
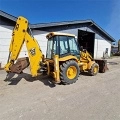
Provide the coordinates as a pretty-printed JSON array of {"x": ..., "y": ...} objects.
[{"x": 119, "y": 45}]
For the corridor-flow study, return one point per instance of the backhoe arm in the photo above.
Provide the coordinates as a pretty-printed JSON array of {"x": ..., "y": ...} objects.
[
  {"x": 16, "y": 41},
  {"x": 19, "y": 36}
]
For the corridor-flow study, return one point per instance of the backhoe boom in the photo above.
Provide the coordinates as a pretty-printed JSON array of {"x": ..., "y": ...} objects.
[{"x": 20, "y": 36}]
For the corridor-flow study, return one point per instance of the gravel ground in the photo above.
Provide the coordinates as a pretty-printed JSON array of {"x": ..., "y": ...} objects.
[{"x": 90, "y": 98}]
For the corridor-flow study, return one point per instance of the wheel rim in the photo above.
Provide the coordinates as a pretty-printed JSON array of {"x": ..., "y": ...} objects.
[
  {"x": 95, "y": 70},
  {"x": 71, "y": 72}
]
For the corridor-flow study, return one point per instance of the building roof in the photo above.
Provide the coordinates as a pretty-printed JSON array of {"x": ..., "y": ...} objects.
[
  {"x": 90, "y": 23},
  {"x": 6, "y": 15}
]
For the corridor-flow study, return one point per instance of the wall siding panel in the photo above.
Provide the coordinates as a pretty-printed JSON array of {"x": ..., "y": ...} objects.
[
  {"x": 40, "y": 36},
  {"x": 100, "y": 48},
  {"x": 5, "y": 39}
]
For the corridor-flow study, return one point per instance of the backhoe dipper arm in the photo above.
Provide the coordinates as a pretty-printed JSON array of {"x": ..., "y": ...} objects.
[{"x": 19, "y": 36}]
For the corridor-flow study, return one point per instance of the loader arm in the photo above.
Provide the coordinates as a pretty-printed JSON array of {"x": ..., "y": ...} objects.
[
  {"x": 85, "y": 56},
  {"x": 20, "y": 36}
]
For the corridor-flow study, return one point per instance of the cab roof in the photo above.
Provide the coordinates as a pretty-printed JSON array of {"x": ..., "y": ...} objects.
[{"x": 51, "y": 34}]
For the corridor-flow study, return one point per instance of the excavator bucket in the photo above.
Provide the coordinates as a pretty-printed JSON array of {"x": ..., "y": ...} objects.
[{"x": 20, "y": 65}]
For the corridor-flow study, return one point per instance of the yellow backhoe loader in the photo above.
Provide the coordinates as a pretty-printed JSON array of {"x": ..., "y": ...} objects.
[{"x": 64, "y": 60}]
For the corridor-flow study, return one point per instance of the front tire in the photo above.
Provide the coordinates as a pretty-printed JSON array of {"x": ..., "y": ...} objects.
[
  {"x": 94, "y": 69},
  {"x": 69, "y": 72}
]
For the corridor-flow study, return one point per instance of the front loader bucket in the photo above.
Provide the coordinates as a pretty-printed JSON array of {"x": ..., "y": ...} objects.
[{"x": 102, "y": 65}]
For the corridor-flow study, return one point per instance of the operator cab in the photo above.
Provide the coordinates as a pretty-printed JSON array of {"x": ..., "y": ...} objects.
[{"x": 61, "y": 44}]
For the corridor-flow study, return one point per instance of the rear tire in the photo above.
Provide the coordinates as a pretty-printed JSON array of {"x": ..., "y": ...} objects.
[
  {"x": 69, "y": 72},
  {"x": 94, "y": 69}
]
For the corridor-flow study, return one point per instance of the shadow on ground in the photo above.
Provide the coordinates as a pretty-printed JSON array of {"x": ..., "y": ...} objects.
[
  {"x": 85, "y": 74},
  {"x": 48, "y": 81}
]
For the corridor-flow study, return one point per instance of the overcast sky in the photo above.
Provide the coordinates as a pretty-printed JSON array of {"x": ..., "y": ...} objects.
[{"x": 106, "y": 13}]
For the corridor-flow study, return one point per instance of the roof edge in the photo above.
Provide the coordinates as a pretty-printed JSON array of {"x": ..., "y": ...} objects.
[
  {"x": 6, "y": 15},
  {"x": 112, "y": 39}
]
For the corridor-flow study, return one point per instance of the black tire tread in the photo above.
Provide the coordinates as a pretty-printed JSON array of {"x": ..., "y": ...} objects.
[
  {"x": 63, "y": 68},
  {"x": 91, "y": 70}
]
